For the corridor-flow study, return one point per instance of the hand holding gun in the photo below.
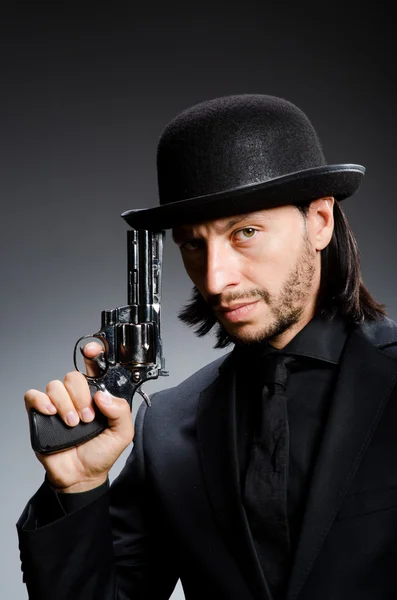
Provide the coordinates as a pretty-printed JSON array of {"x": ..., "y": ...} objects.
[{"x": 132, "y": 350}]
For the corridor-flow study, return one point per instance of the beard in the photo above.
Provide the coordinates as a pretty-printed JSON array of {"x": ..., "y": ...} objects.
[{"x": 286, "y": 309}]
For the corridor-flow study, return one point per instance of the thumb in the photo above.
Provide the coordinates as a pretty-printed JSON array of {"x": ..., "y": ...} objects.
[{"x": 117, "y": 410}]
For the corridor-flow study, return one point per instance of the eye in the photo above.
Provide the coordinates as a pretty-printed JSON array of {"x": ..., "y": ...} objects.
[
  {"x": 245, "y": 234},
  {"x": 190, "y": 245}
]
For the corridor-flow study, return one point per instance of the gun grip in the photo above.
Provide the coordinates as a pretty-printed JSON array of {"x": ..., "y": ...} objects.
[{"x": 49, "y": 433}]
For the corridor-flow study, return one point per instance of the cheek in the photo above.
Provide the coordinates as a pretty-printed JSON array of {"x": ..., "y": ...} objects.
[{"x": 268, "y": 265}]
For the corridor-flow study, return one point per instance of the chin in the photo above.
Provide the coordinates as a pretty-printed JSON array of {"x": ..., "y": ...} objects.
[
  {"x": 246, "y": 334},
  {"x": 263, "y": 332}
]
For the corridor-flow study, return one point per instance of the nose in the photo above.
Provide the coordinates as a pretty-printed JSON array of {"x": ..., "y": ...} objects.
[{"x": 221, "y": 269}]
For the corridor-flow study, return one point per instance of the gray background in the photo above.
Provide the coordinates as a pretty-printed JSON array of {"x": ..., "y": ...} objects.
[{"x": 84, "y": 98}]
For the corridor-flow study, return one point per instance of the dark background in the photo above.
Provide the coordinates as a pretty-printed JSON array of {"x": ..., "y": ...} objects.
[{"x": 85, "y": 94}]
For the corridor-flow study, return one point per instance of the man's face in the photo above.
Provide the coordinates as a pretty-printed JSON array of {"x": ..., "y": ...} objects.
[{"x": 258, "y": 272}]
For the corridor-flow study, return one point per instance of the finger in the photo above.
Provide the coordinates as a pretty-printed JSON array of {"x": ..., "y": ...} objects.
[
  {"x": 59, "y": 396},
  {"x": 118, "y": 412},
  {"x": 79, "y": 392},
  {"x": 39, "y": 401},
  {"x": 92, "y": 352}
]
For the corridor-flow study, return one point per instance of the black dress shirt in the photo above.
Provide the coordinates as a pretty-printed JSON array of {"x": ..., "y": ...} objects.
[{"x": 318, "y": 348}]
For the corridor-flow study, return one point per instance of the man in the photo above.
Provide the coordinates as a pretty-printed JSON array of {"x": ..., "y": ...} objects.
[{"x": 269, "y": 474}]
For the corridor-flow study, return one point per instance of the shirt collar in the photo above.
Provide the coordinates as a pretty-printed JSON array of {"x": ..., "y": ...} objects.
[{"x": 322, "y": 339}]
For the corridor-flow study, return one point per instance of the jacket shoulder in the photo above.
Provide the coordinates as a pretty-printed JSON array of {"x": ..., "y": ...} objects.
[
  {"x": 382, "y": 334},
  {"x": 194, "y": 384}
]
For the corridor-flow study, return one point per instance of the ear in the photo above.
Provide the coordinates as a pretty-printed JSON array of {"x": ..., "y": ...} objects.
[{"x": 320, "y": 221}]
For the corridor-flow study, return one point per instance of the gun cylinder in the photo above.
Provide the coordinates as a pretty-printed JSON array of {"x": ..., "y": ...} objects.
[{"x": 135, "y": 343}]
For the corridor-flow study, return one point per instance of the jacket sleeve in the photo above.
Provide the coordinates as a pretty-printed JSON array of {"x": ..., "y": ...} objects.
[{"x": 105, "y": 550}]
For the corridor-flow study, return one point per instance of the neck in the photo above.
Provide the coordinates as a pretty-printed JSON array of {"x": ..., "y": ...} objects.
[
  {"x": 280, "y": 341},
  {"x": 283, "y": 339}
]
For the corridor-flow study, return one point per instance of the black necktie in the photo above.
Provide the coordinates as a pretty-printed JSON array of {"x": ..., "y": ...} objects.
[{"x": 265, "y": 497}]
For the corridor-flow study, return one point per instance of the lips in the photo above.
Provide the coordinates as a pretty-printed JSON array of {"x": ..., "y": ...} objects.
[
  {"x": 234, "y": 306},
  {"x": 237, "y": 312}
]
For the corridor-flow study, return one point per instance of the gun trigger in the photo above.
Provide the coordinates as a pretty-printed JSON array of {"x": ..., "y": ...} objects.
[{"x": 144, "y": 396}]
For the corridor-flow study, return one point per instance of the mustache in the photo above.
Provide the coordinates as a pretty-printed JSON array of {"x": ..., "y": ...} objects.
[{"x": 222, "y": 299}]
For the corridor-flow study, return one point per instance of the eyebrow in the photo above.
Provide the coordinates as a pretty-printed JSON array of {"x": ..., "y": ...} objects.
[{"x": 182, "y": 234}]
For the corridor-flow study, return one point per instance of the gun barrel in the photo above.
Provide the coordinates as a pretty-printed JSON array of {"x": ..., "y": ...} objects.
[
  {"x": 144, "y": 251},
  {"x": 145, "y": 276},
  {"x": 133, "y": 270},
  {"x": 140, "y": 285}
]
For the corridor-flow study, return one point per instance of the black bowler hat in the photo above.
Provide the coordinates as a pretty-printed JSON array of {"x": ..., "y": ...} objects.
[{"x": 240, "y": 154}]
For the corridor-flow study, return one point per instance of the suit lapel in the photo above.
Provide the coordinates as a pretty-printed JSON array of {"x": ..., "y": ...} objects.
[
  {"x": 364, "y": 385},
  {"x": 216, "y": 432}
]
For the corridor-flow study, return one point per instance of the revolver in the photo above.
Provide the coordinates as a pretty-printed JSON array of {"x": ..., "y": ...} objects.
[{"x": 132, "y": 348}]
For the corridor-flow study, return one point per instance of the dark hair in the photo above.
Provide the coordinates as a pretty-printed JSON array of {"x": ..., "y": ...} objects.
[{"x": 342, "y": 291}]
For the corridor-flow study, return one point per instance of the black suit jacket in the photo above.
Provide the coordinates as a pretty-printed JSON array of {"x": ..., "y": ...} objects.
[{"x": 176, "y": 511}]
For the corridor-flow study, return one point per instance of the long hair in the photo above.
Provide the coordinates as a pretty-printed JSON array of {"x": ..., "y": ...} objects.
[{"x": 342, "y": 291}]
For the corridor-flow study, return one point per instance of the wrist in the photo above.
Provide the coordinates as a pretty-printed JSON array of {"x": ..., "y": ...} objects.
[{"x": 78, "y": 487}]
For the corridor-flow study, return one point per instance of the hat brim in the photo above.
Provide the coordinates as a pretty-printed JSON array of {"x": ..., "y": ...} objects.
[{"x": 339, "y": 181}]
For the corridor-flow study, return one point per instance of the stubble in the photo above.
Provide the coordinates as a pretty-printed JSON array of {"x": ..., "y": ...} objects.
[{"x": 285, "y": 310}]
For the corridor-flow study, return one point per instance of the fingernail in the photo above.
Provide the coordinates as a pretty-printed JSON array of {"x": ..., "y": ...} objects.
[
  {"x": 87, "y": 414},
  {"x": 51, "y": 409},
  {"x": 90, "y": 346},
  {"x": 72, "y": 418},
  {"x": 105, "y": 398}
]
